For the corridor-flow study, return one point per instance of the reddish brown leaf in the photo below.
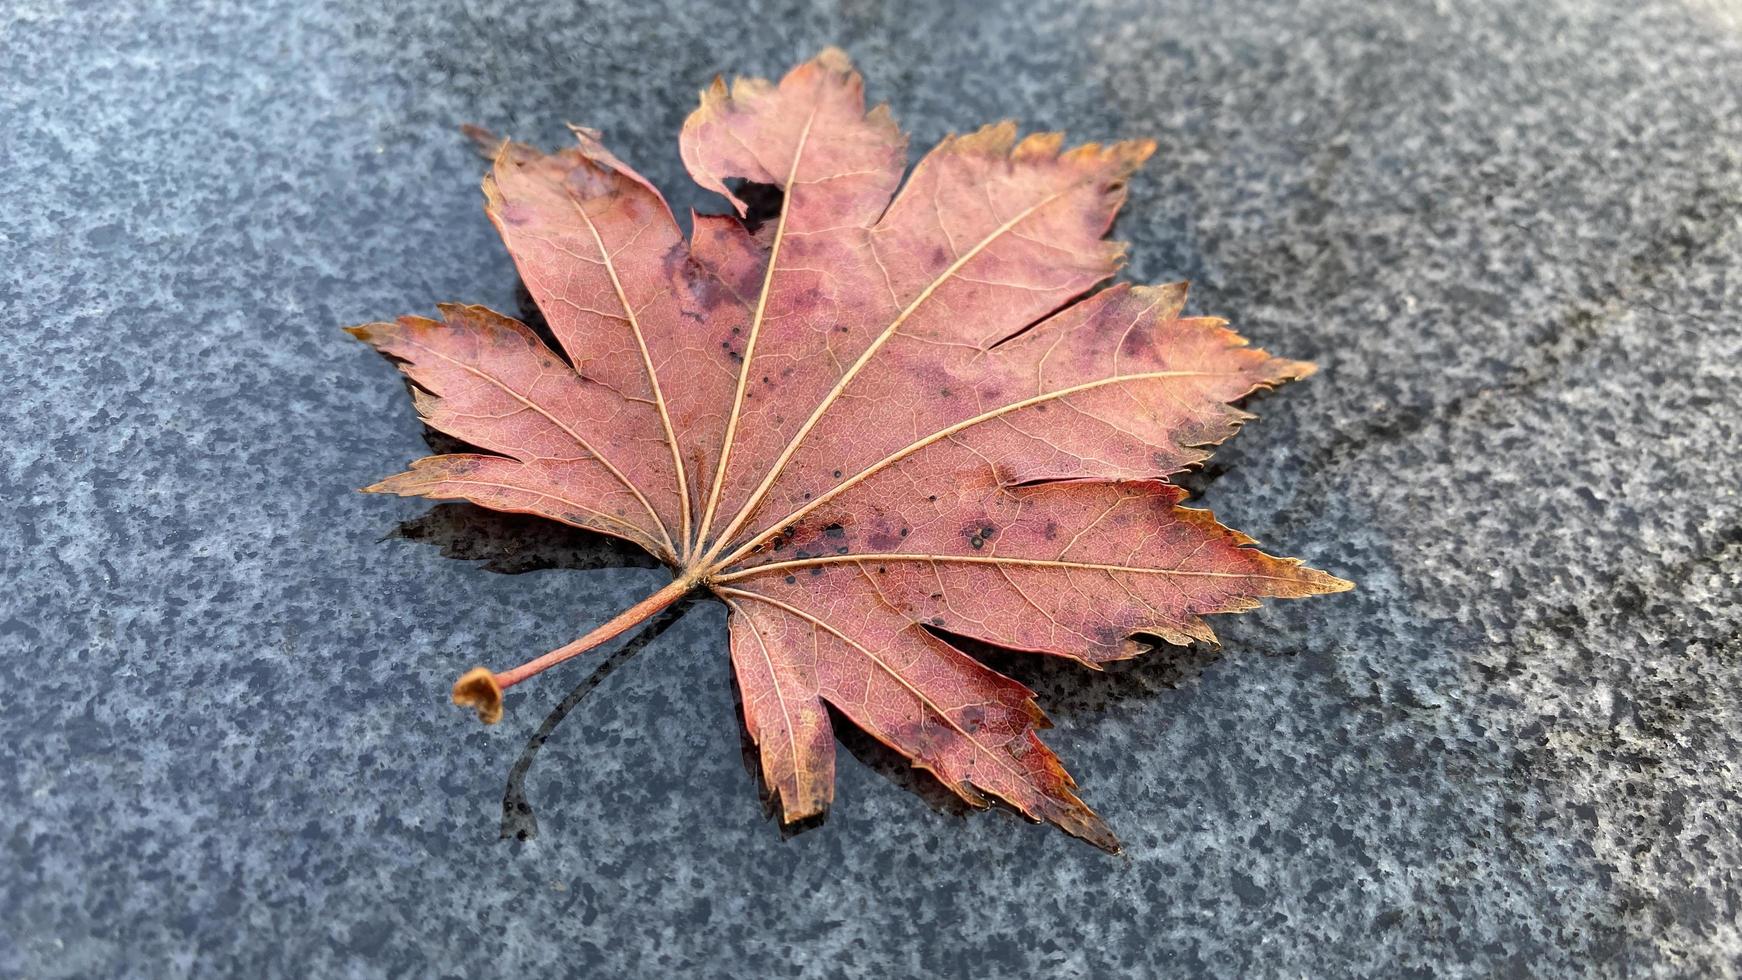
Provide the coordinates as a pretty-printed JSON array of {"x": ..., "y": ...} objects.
[{"x": 881, "y": 414}]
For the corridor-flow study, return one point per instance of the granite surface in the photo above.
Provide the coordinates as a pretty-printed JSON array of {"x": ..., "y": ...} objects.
[{"x": 1508, "y": 232}]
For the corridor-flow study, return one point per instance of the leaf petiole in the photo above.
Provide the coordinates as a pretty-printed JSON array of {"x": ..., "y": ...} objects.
[{"x": 481, "y": 688}]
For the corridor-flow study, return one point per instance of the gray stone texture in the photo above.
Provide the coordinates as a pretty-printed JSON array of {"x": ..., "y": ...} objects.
[{"x": 1509, "y": 233}]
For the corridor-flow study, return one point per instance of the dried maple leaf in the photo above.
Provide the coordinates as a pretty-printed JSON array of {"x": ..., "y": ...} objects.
[{"x": 875, "y": 415}]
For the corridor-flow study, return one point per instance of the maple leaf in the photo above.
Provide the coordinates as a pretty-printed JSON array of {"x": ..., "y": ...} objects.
[{"x": 878, "y": 421}]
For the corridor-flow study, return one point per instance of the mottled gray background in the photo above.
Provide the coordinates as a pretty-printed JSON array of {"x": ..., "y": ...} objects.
[{"x": 1508, "y": 232}]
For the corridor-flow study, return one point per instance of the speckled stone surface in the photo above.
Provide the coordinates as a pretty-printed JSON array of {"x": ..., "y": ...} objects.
[{"x": 1510, "y": 234}]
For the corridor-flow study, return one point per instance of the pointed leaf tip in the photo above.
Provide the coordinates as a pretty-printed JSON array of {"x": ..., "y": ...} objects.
[
  {"x": 1096, "y": 832},
  {"x": 485, "y": 142},
  {"x": 478, "y": 690}
]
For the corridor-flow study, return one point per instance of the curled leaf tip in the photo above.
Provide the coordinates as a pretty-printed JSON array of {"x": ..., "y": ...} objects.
[{"x": 478, "y": 690}]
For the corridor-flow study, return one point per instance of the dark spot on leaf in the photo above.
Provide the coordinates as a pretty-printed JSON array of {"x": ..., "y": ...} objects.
[{"x": 790, "y": 579}]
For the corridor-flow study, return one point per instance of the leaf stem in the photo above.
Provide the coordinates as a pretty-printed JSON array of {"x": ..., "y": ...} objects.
[{"x": 482, "y": 688}]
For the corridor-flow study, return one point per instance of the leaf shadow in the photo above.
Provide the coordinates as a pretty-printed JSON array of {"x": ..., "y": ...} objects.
[
  {"x": 1065, "y": 688},
  {"x": 762, "y": 202},
  {"x": 511, "y": 544},
  {"x": 519, "y": 822},
  {"x": 533, "y": 317}
]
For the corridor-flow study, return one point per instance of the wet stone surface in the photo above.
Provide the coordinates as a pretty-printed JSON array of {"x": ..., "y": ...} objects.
[{"x": 1509, "y": 234}]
